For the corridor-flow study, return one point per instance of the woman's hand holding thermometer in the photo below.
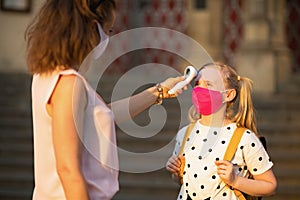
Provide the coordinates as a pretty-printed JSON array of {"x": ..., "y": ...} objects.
[{"x": 190, "y": 73}]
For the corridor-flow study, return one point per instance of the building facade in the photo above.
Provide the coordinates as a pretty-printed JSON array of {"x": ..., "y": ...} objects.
[{"x": 258, "y": 37}]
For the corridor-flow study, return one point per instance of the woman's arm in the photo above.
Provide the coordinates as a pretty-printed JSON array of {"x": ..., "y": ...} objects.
[
  {"x": 141, "y": 101},
  {"x": 262, "y": 185},
  {"x": 64, "y": 103}
]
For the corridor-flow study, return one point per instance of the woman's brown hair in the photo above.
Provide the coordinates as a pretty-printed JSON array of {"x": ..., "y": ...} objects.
[{"x": 64, "y": 32}]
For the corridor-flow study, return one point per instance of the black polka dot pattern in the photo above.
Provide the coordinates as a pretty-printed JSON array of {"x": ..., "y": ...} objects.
[{"x": 208, "y": 147}]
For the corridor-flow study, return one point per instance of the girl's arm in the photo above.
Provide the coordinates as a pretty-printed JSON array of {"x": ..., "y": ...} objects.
[
  {"x": 64, "y": 103},
  {"x": 262, "y": 185},
  {"x": 141, "y": 101}
]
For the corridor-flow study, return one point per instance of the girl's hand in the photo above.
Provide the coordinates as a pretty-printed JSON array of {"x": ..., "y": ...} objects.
[
  {"x": 170, "y": 83},
  {"x": 174, "y": 163},
  {"x": 225, "y": 171}
]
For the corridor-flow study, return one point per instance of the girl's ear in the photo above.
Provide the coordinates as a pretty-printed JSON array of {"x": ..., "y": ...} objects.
[{"x": 230, "y": 95}]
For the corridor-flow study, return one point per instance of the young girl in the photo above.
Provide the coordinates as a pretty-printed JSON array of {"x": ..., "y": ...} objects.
[
  {"x": 65, "y": 116},
  {"x": 218, "y": 90}
]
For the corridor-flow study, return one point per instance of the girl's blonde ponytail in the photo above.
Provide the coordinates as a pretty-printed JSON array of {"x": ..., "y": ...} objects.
[{"x": 245, "y": 115}]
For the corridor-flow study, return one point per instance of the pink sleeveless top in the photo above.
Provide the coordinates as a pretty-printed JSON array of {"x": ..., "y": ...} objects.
[{"x": 99, "y": 156}]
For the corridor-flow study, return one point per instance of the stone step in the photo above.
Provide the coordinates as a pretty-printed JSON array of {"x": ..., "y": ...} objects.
[
  {"x": 13, "y": 134},
  {"x": 16, "y": 163},
  {"x": 16, "y": 123},
  {"x": 152, "y": 185},
  {"x": 17, "y": 180},
  {"x": 16, "y": 150},
  {"x": 270, "y": 128},
  {"x": 15, "y": 194},
  {"x": 286, "y": 116},
  {"x": 276, "y": 101},
  {"x": 15, "y": 111}
]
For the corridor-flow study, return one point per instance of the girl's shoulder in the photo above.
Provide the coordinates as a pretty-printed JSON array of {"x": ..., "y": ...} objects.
[
  {"x": 251, "y": 139},
  {"x": 183, "y": 131}
]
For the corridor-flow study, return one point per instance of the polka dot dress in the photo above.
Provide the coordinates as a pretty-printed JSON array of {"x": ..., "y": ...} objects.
[{"x": 204, "y": 146}]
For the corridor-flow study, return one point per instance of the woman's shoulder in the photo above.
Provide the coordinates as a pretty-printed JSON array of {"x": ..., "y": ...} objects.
[
  {"x": 68, "y": 84},
  {"x": 69, "y": 71},
  {"x": 47, "y": 83},
  {"x": 56, "y": 74}
]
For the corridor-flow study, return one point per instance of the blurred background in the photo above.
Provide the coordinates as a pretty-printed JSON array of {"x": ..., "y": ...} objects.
[{"x": 260, "y": 38}]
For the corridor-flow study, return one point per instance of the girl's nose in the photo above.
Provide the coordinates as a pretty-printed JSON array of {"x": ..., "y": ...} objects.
[{"x": 200, "y": 83}]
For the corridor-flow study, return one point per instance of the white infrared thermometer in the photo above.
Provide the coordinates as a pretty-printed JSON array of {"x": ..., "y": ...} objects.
[{"x": 190, "y": 73}]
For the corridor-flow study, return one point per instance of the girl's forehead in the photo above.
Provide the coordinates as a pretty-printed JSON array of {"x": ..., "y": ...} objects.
[{"x": 210, "y": 74}]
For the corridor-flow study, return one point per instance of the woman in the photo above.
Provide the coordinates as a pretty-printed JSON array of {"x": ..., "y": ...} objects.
[
  {"x": 66, "y": 110},
  {"x": 218, "y": 90}
]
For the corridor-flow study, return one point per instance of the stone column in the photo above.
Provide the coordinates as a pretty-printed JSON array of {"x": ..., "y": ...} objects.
[
  {"x": 204, "y": 26},
  {"x": 255, "y": 58}
]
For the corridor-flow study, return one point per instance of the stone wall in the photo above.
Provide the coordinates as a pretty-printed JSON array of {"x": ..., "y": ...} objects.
[
  {"x": 12, "y": 42},
  {"x": 263, "y": 55}
]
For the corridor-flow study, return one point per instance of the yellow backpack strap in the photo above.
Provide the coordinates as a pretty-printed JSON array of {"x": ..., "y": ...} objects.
[
  {"x": 239, "y": 195},
  {"x": 233, "y": 144},
  {"x": 230, "y": 151},
  {"x": 186, "y": 135}
]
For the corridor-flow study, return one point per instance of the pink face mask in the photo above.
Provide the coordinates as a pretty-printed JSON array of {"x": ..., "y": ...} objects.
[{"x": 206, "y": 101}]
